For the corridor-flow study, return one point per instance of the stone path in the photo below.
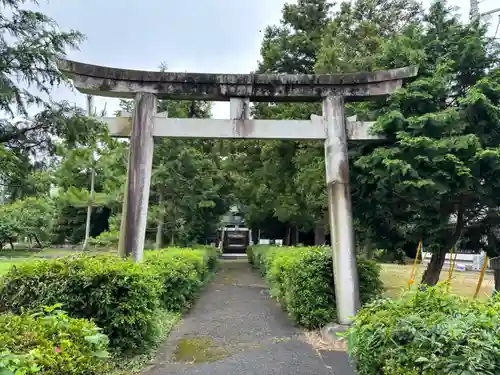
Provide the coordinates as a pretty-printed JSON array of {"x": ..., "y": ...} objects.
[{"x": 236, "y": 328}]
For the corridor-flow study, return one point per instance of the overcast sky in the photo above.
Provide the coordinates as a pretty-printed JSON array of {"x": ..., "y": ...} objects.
[{"x": 217, "y": 36}]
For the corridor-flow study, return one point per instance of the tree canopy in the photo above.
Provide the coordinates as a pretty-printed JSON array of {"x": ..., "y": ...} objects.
[{"x": 434, "y": 176}]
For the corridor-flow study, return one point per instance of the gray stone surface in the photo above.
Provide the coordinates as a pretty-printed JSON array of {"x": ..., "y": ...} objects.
[
  {"x": 330, "y": 331},
  {"x": 236, "y": 328},
  {"x": 108, "y": 81}
]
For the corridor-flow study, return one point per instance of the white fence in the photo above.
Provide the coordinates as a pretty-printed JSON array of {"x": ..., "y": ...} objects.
[{"x": 464, "y": 261}]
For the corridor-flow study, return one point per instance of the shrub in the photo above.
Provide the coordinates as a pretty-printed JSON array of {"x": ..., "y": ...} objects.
[
  {"x": 106, "y": 240},
  {"x": 427, "y": 333},
  {"x": 51, "y": 343},
  {"x": 301, "y": 279},
  {"x": 182, "y": 272},
  {"x": 121, "y": 297}
]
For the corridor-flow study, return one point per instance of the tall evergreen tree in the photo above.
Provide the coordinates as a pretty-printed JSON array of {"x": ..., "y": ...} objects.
[{"x": 436, "y": 177}]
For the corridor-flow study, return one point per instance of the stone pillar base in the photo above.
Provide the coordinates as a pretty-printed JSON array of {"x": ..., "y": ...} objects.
[{"x": 329, "y": 335}]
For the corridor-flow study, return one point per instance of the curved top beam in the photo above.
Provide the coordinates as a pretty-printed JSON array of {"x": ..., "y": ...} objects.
[{"x": 114, "y": 82}]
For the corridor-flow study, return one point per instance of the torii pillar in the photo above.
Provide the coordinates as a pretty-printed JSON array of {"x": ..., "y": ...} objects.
[{"x": 333, "y": 128}]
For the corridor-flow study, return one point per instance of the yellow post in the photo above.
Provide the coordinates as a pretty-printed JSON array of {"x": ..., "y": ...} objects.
[
  {"x": 455, "y": 261},
  {"x": 450, "y": 271},
  {"x": 481, "y": 277},
  {"x": 412, "y": 275},
  {"x": 451, "y": 268}
]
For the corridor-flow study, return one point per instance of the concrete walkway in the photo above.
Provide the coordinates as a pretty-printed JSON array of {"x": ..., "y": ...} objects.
[{"x": 236, "y": 328}]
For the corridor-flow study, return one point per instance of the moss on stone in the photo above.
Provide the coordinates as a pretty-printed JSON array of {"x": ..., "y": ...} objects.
[{"x": 199, "y": 349}]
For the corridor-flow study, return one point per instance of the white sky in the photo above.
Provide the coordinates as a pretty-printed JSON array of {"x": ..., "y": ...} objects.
[{"x": 218, "y": 36}]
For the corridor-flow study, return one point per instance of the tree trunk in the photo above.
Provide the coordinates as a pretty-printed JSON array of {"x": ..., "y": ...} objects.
[
  {"x": 159, "y": 235},
  {"x": 38, "y": 242},
  {"x": 172, "y": 239},
  {"x": 495, "y": 266},
  {"x": 159, "y": 227},
  {"x": 288, "y": 236},
  {"x": 319, "y": 234},
  {"x": 121, "y": 242},
  {"x": 294, "y": 236},
  {"x": 431, "y": 274},
  {"x": 496, "y": 275},
  {"x": 367, "y": 244},
  {"x": 89, "y": 210},
  {"x": 11, "y": 244},
  {"x": 368, "y": 249}
]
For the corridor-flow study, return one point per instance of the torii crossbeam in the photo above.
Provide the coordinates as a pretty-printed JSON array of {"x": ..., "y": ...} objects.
[{"x": 144, "y": 124}]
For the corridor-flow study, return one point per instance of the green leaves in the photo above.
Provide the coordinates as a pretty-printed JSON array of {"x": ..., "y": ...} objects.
[
  {"x": 31, "y": 43},
  {"x": 121, "y": 297},
  {"x": 17, "y": 364},
  {"x": 359, "y": 29},
  {"x": 438, "y": 127},
  {"x": 81, "y": 198},
  {"x": 30, "y": 53},
  {"x": 50, "y": 343},
  {"x": 117, "y": 295},
  {"x": 31, "y": 217},
  {"x": 299, "y": 34},
  {"x": 301, "y": 279},
  {"x": 268, "y": 183},
  {"x": 426, "y": 332}
]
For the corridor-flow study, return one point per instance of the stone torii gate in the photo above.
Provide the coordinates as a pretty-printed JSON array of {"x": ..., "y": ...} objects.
[{"x": 332, "y": 128}]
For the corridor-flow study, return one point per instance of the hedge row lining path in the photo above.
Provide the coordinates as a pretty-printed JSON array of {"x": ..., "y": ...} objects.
[{"x": 236, "y": 328}]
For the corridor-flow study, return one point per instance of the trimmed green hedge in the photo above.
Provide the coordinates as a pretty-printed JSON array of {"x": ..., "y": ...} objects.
[
  {"x": 121, "y": 297},
  {"x": 301, "y": 279},
  {"x": 182, "y": 272},
  {"x": 51, "y": 343},
  {"x": 427, "y": 332}
]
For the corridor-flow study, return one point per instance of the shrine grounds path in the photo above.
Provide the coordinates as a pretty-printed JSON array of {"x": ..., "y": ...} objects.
[{"x": 236, "y": 328}]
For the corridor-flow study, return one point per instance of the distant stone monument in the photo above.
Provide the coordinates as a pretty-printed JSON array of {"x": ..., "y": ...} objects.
[{"x": 239, "y": 89}]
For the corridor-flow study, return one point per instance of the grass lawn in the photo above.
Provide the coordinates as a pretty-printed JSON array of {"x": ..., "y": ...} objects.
[
  {"x": 395, "y": 278},
  {"x": 36, "y": 253},
  {"x": 8, "y": 257},
  {"x": 6, "y": 264}
]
